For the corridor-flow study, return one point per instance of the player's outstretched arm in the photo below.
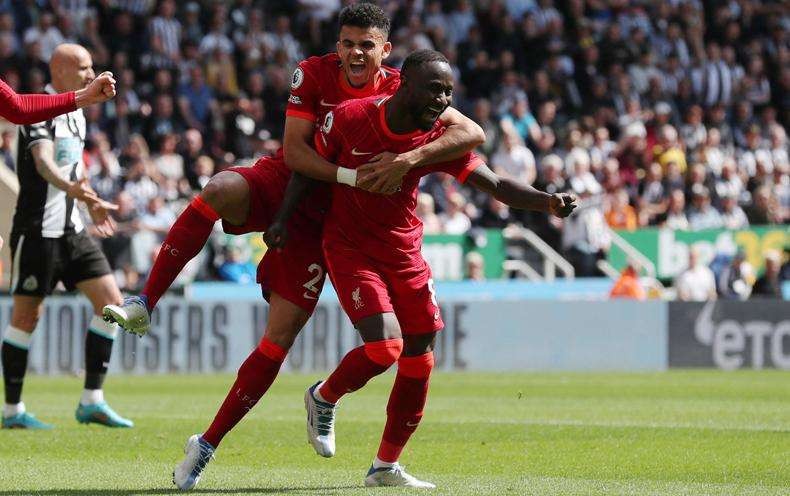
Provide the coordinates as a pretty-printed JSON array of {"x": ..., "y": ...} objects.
[
  {"x": 29, "y": 109},
  {"x": 385, "y": 172},
  {"x": 520, "y": 196}
]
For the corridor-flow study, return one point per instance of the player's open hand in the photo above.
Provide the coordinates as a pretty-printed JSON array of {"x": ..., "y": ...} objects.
[
  {"x": 562, "y": 204},
  {"x": 101, "y": 89},
  {"x": 276, "y": 236},
  {"x": 99, "y": 211},
  {"x": 384, "y": 173},
  {"x": 81, "y": 190}
]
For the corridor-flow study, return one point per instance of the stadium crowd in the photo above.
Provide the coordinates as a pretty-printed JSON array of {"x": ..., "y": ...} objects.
[{"x": 654, "y": 113}]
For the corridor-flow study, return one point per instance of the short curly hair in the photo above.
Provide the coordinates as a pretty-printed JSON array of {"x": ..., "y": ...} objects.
[
  {"x": 421, "y": 57},
  {"x": 365, "y": 15}
]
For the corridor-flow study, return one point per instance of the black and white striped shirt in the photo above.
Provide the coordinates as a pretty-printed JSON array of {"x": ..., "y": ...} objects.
[{"x": 41, "y": 208}]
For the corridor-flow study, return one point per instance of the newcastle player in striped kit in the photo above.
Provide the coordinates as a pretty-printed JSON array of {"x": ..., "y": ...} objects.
[{"x": 49, "y": 245}]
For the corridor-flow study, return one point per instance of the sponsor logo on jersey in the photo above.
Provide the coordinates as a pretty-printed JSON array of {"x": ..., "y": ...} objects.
[
  {"x": 328, "y": 120},
  {"x": 295, "y": 100},
  {"x": 297, "y": 79},
  {"x": 30, "y": 284},
  {"x": 358, "y": 303}
]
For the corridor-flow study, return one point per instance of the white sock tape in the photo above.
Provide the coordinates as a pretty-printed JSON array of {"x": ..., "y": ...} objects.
[
  {"x": 17, "y": 337},
  {"x": 347, "y": 176}
]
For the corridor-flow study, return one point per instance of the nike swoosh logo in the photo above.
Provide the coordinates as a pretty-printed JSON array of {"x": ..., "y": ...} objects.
[
  {"x": 309, "y": 296},
  {"x": 322, "y": 102},
  {"x": 412, "y": 424},
  {"x": 355, "y": 152}
]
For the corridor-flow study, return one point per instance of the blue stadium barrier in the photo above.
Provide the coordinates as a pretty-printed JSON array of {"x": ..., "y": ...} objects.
[{"x": 577, "y": 289}]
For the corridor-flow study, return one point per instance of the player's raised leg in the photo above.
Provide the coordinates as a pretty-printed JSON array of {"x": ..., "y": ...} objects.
[
  {"x": 14, "y": 353},
  {"x": 404, "y": 412},
  {"x": 382, "y": 347},
  {"x": 254, "y": 378},
  {"x": 225, "y": 196},
  {"x": 99, "y": 339}
]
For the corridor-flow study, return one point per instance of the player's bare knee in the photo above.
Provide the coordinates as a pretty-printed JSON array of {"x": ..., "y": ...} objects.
[
  {"x": 379, "y": 327},
  {"x": 228, "y": 194},
  {"x": 419, "y": 344}
]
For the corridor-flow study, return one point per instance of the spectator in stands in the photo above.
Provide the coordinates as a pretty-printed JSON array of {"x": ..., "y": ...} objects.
[
  {"x": 431, "y": 224},
  {"x": 140, "y": 185},
  {"x": 157, "y": 218},
  {"x": 237, "y": 268},
  {"x": 701, "y": 214},
  {"x": 118, "y": 247},
  {"x": 523, "y": 123},
  {"x": 732, "y": 215},
  {"x": 733, "y": 281},
  {"x": 475, "y": 266},
  {"x": 668, "y": 149},
  {"x": 620, "y": 214},
  {"x": 652, "y": 196},
  {"x": 585, "y": 236},
  {"x": 762, "y": 211},
  {"x": 203, "y": 169},
  {"x": 675, "y": 216},
  {"x": 769, "y": 285},
  {"x": 697, "y": 282},
  {"x": 168, "y": 163},
  {"x": 627, "y": 286},
  {"x": 454, "y": 220},
  {"x": 514, "y": 160},
  {"x": 196, "y": 100},
  {"x": 482, "y": 115},
  {"x": 693, "y": 133}
]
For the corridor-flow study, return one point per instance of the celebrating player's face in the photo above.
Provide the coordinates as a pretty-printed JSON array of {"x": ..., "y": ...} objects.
[
  {"x": 429, "y": 93},
  {"x": 362, "y": 50}
]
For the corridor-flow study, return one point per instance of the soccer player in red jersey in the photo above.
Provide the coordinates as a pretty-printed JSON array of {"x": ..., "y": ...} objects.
[
  {"x": 372, "y": 248},
  {"x": 247, "y": 198}
]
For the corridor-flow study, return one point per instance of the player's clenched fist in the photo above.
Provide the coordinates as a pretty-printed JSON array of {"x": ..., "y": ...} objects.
[
  {"x": 99, "y": 90},
  {"x": 562, "y": 205}
]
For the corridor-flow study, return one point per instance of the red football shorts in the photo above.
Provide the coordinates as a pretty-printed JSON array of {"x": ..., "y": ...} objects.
[
  {"x": 368, "y": 287},
  {"x": 295, "y": 272}
]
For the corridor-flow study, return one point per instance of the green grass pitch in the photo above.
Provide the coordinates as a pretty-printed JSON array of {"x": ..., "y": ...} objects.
[{"x": 680, "y": 432}]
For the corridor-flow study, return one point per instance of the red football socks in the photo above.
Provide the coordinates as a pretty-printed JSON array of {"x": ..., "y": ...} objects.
[
  {"x": 406, "y": 404},
  {"x": 184, "y": 241},
  {"x": 359, "y": 366},
  {"x": 255, "y": 376}
]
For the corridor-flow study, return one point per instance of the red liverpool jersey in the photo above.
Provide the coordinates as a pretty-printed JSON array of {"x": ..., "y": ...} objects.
[
  {"x": 319, "y": 84},
  {"x": 385, "y": 227}
]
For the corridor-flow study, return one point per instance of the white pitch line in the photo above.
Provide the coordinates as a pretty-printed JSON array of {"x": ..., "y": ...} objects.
[{"x": 537, "y": 422}]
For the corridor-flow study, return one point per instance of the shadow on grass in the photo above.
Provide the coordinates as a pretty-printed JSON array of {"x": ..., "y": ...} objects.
[{"x": 152, "y": 492}]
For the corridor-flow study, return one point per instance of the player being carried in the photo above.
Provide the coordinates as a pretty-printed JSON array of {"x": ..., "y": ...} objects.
[
  {"x": 372, "y": 248},
  {"x": 247, "y": 199}
]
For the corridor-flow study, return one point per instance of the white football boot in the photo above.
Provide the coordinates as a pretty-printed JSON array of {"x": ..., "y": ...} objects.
[
  {"x": 320, "y": 423},
  {"x": 198, "y": 452},
  {"x": 132, "y": 315},
  {"x": 394, "y": 476}
]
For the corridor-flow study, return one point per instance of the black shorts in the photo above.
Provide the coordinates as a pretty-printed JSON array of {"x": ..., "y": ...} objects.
[{"x": 40, "y": 263}]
